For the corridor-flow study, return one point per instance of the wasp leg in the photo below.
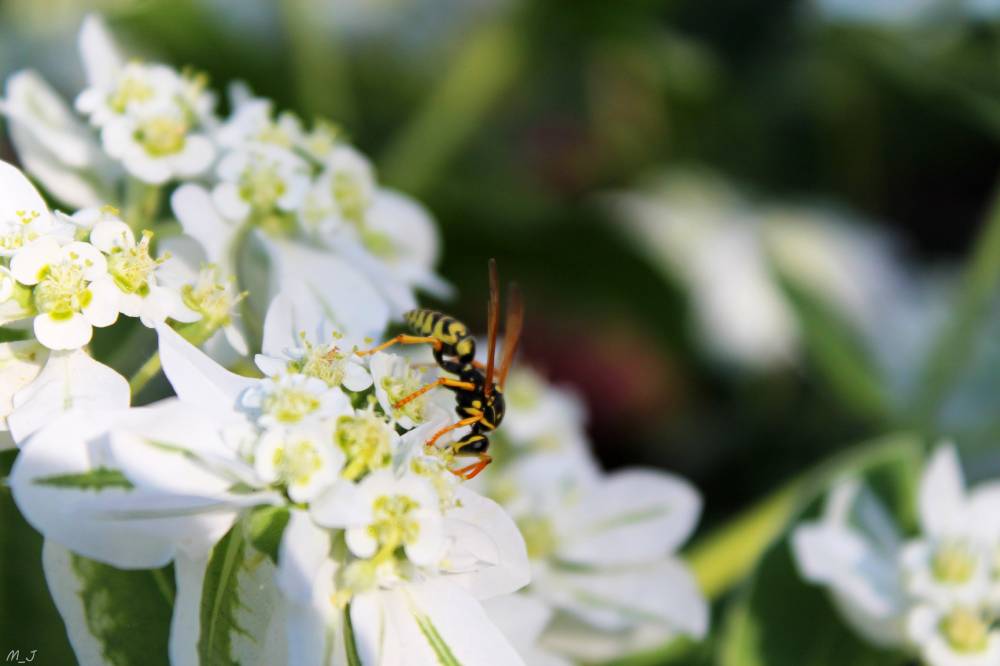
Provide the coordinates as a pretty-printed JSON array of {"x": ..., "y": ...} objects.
[
  {"x": 403, "y": 339},
  {"x": 454, "y": 426},
  {"x": 442, "y": 381},
  {"x": 471, "y": 471}
]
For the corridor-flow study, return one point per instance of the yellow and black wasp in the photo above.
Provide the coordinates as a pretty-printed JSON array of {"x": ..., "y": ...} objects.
[{"x": 478, "y": 387}]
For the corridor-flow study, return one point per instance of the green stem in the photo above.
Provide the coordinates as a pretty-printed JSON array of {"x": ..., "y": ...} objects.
[
  {"x": 479, "y": 75},
  {"x": 350, "y": 647},
  {"x": 145, "y": 374},
  {"x": 725, "y": 556},
  {"x": 142, "y": 201},
  {"x": 957, "y": 339}
]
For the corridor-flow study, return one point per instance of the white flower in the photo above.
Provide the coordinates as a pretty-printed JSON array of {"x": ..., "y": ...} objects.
[
  {"x": 289, "y": 399},
  {"x": 260, "y": 180},
  {"x": 294, "y": 342},
  {"x": 315, "y": 278},
  {"x": 251, "y": 122},
  {"x": 523, "y": 619},
  {"x": 68, "y": 292},
  {"x": 395, "y": 378},
  {"x": 609, "y": 541},
  {"x": 304, "y": 460},
  {"x": 935, "y": 591},
  {"x": 954, "y": 636},
  {"x": 158, "y": 145},
  {"x": 132, "y": 271},
  {"x": 340, "y": 198},
  {"x": 853, "y": 550}
]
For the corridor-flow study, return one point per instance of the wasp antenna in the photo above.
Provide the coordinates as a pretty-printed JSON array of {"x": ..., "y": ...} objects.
[
  {"x": 512, "y": 331},
  {"x": 492, "y": 325}
]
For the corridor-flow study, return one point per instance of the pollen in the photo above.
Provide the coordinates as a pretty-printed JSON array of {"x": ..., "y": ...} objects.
[
  {"x": 366, "y": 440},
  {"x": 399, "y": 387},
  {"x": 297, "y": 462},
  {"x": 214, "y": 299},
  {"x": 290, "y": 404},
  {"x": 953, "y": 563},
  {"x": 261, "y": 185}
]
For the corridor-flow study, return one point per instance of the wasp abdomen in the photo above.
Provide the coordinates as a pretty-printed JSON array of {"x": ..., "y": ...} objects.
[{"x": 453, "y": 334}]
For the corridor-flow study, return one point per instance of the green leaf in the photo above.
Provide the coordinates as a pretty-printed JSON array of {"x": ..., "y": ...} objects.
[
  {"x": 100, "y": 478},
  {"x": 781, "y": 620},
  {"x": 238, "y": 604},
  {"x": 264, "y": 528},
  {"x": 220, "y": 598},
  {"x": 838, "y": 351},
  {"x": 112, "y": 616}
]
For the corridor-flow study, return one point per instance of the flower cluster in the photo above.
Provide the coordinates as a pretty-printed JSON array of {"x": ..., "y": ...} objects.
[
  {"x": 248, "y": 184},
  {"x": 376, "y": 522},
  {"x": 935, "y": 593},
  {"x": 605, "y": 579}
]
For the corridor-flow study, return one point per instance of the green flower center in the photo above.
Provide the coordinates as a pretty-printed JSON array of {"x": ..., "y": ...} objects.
[
  {"x": 296, "y": 462},
  {"x": 965, "y": 630},
  {"x": 290, "y": 404},
  {"x": 214, "y": 300},
  {"x": 261, "y": 185},
  {"x": 62, "y": 290},
  {"x": 350, "y": 197},
  {"x": 366, "y": 440},
  {"x": 397, "y": 388},
  {"x": 324, "y": 362},
  {"x": 953, "y": 564},
  {"x": 394, "y": 524},
  {"x": 539, "y": 536},
  {"x": 131, "y": 267},
  {"x": 162, "y": 135},
  {"x": 130, "y": 89}
]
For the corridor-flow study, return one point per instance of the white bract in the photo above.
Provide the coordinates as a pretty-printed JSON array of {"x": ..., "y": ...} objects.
[
  {"x": 934, "y": 594},
  {"x": 602, "y": 546}
]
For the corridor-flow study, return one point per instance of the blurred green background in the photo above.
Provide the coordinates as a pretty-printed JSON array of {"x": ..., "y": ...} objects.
[{"x": 511, "y": 119}]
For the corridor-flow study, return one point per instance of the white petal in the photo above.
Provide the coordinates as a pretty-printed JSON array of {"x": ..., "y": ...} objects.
[
  {"x": 227, "y": 200},
  {"x": 942, "y": 493},
  {"x": 102, "y": 310},
  {"x": 457, "y": 618},
  {"x": 304, "y": 548},
  {"x": 632, "y": 516},
  {"x": 28, "y": 262},
  {"x": 110, "y": 234},
  {"x": 428, "y": 548},
  {"x": 481, "y": 532},
  {"x": 70, "y": 333},
  {"x": 522, "y": 618},
  {"x": 69, "y": 380},
  {"x": 342, "y": 505},
  {"x": 185, "y": 625},
  {"x": 356, "y": 378},
  {"x": 196, "y": 157},
  {"x": 361, "y": 542},
  {"x": 101, "y": 60},
  {"x": 664, "y": 592},
  {"x": 152, "y": 170},
  {"x": 199, "y": 218},
  {"x": 18, "y": 194},
  {"x": 319, "y": 281},
  {"x": 280, "y": 330},
  {"x": 196, "y": 378}
]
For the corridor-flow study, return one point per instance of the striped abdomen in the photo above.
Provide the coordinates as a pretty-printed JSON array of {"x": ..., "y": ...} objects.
[{"x": 453, "y": 334}]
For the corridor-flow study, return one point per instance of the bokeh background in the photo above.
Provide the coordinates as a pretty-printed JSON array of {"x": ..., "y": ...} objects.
[{"x": 528, "y": 127}]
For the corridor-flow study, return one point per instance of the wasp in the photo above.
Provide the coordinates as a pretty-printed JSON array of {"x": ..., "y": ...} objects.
[{"x": 478, "y": 387}]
